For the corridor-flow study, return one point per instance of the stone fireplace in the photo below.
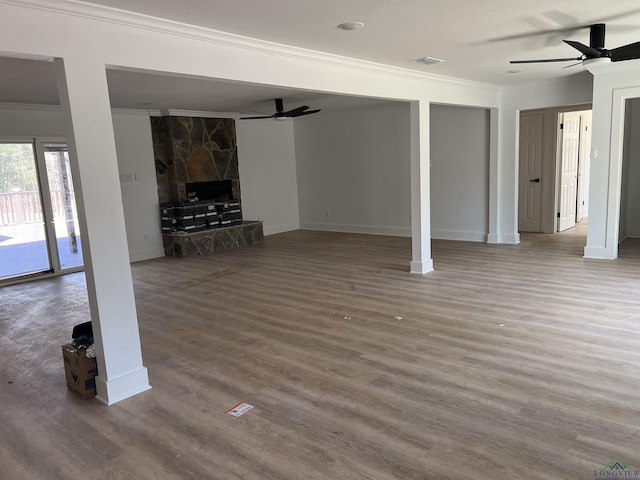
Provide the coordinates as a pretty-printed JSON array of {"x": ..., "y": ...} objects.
[
  {"x": 193, "y": 149},
  {"x": 197, "y": 158}
]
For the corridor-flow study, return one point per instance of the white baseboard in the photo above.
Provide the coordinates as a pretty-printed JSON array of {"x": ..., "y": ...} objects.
[
  {"x": 124, "y": 386},
  {"x": 273, "y": 229},
  {"x": 422, "y": 268},
  {"x": 459, "y": 235},
  {"x": 508, "y": 238},
  {"x": 599, "y": 253},
  {"x": 368, "y": 229},
  {"x": 148, "y": 254}
]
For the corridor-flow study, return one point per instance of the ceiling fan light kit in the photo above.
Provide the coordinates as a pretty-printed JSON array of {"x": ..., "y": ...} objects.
[{"x": 594, "y": 53}]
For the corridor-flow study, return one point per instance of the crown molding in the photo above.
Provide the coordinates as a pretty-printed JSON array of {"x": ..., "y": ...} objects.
[
  {"x": 137, "y": 111},
  {"x": 29, "y": 106},
  {"x": 198, "y": 114},
  {"x": 57, "y": 108},
  {"x": 117, "y": 16}
]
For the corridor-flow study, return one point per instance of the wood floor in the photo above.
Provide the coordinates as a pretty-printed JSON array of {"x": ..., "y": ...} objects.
[{"x": 508, "y": 362}]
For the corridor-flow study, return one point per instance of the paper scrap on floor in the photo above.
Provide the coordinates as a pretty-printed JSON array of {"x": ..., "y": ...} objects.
[{"x": 239, "y": 409}]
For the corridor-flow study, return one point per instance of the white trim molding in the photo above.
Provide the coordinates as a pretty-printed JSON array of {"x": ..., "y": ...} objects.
[
  {"x": 118, "y": 16},
  {"x": 367, "y": 229},
  {"x": 507, "y": 238},
  {"x": 124, "y": 386},
  {"x": 459, "y": 235},
  {"x": 422, "y": 268}
]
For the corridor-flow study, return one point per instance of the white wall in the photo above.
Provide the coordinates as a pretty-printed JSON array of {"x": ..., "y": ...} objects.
[
  {"x": 459, "y": 173},
  {"x": 354, "y": 170},
  {"x": 267, "y": 165},
  {"x": 135, "y": 157},
  {"x": 30, "y": 121},
  {"x": 138, "y": 184}
]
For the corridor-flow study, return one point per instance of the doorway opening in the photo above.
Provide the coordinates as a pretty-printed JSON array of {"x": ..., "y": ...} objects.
[
  {"x": 554, "y": 165},
  {"x": 629, "y": 224},
  {"x": 39, "y": 230}
]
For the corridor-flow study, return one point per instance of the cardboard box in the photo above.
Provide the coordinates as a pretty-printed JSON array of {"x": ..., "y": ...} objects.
[{"x": 80, "y": 371}]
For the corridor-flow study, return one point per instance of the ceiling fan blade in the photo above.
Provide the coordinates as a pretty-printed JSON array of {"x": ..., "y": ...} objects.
[
  {"x": 589, "y": 52},
  {"x": 626, "y": 52},
  {"x": 518, "y": 36},
  {"x": 308, "y": 112},
  {"x": 296, "y": 111},
  {"x": 279, "y": 105},
  {"x": 547, "y": 60},
  {"x": 572, "y": 65},
  {"x": 255, "y": 118}
]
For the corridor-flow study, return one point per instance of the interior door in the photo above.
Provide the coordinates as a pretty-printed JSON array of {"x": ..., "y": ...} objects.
[
  {"x": 530, "y": 175},
  {"x": 569, "y": 170}
]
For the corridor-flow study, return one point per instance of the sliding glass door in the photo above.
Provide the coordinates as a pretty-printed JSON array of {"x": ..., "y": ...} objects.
[
  {"x": 38, "y": 216},
  {"x": 23, "y": 244},
  {"x": 63, "y": 205}
]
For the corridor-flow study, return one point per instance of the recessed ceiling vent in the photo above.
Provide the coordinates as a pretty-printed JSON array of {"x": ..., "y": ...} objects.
[{"x": 427, "y": 60}]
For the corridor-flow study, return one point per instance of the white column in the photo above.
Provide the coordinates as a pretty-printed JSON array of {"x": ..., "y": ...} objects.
[
  {"x": 84, "y": 98},
  {"x": 420, "y": 189}
]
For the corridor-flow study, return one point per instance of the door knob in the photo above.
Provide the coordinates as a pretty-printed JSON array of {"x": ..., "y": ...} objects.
[{"x": 537, "y": 180}]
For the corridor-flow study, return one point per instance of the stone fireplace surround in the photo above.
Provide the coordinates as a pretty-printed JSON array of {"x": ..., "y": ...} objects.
[{"x": 188, "y": 150}]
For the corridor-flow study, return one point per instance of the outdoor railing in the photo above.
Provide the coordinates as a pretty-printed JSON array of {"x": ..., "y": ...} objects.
[{"x": 25, "y": 207}]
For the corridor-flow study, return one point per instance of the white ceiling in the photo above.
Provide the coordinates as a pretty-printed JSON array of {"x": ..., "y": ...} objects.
[
  {"x": 475, "y": 38},
  {"x": 462, "y": 32}
]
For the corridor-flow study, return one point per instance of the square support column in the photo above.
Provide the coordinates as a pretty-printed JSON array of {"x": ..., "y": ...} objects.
[
  {"x": 84, "y": 98},
  {"x": 420, "y": 189}
]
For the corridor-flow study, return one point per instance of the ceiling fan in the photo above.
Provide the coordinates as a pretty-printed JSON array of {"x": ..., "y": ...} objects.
[
  {"x": 282, "y": 115},
  {"x": 595, "y": 49}
]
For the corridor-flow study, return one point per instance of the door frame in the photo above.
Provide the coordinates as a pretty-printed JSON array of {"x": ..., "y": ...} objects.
[
  {"x": 582, "y": 160},
  {"x": 620, "y": 97},
  {"x": 45, "y": 198},
  {"x": 551, "y": 125}
]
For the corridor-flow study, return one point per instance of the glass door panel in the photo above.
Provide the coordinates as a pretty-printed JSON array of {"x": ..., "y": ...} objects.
[
  {"x": 23, "y": 245},
  {"x": 63, "y": 204}
]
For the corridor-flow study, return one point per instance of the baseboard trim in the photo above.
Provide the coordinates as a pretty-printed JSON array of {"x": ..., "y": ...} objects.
[
  {"x": 148, "y": 254},
  {"x": 508, "y": 238},
  {"x": 458, "y": 235},
  {"x": 367, "y": 229},
  {"x": 122, "y": 387},
  {"x": 274, "y": 229},
  {"x": 597, "y": 253},
  {"x": 422, "y": 268}
]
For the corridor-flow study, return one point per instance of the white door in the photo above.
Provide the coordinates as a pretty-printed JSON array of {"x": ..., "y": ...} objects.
[
  {"x": 583, "y": 165},
  {"x": 569, "y": 170},
  {"x": 529, "y": 182}
]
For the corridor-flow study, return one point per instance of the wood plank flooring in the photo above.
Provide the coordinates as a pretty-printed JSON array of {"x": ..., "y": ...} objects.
[{"x": 507, "y": 362}]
